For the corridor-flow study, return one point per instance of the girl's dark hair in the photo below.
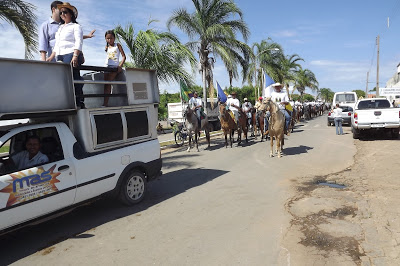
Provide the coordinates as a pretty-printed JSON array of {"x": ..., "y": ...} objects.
[
  {"x": 73, "y": 18},
  {"x": 109, "y": 32}
]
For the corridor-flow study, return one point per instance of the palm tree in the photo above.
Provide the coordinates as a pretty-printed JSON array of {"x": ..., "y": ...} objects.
[
  {"x": 265, "y": 55},
  {"x": 286, "y": 72},
  {"x": 212, "y": 29},
  {"x": 20, "y": 15},
  {"x": 305, "y": 78},
  {"x": 161, "y": 51}
]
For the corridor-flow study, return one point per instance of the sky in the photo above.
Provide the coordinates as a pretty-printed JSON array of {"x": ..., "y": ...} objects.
[{"x": 336, "y": 39}]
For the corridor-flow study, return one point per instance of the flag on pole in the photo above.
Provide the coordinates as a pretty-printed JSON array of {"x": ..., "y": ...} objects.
[
  {"x": 267, "y": 89},
  {"x": 268, "y": 80},
  {"x": 186, "y": 94},
  {"x": 221, "y": 94}
]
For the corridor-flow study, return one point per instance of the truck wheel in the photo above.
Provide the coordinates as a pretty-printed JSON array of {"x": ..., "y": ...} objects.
[
  {"x": 133, "y": 188},
  {"x": 395, "y": 133},
  {"x": 356, "y": 133}
]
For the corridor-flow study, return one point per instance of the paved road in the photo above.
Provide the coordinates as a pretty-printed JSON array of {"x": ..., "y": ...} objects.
[{"x": 214, "y": 207}]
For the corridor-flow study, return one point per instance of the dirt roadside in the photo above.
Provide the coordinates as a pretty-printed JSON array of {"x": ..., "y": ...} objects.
[{"x": 355, "y": 225}]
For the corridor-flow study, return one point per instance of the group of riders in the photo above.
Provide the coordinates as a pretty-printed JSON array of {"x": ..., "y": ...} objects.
[{"x": 292, "y": 110}]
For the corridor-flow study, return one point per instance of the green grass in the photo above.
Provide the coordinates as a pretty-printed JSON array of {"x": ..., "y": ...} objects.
[{"x": 4, "y": 149}]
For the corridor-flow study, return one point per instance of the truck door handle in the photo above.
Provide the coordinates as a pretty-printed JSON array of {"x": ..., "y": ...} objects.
[{"x": 63, "y": 167}]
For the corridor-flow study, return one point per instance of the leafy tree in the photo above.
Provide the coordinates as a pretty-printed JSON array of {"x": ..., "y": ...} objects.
[
  {"x": 166, "y": 98},
  {"x": 360, "y": 93},
  {"x": 326, "y": 94},
  {"x": 308, "y": 97},
  {"x": 305, "y": 78},
  {"x": 20, "y": 15},
  {"x": 244, "y": 92},
  {"x": 161, "y": 51},
  {"x": 212, "y": 28},
  {"x": 265, "y": 55},
  {"x": 287, "y": 70}
]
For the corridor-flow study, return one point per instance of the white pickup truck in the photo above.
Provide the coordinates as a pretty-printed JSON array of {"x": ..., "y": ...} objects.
[
  {"x": 65, "y": 156},
  {"x": 376, "y": 114}
]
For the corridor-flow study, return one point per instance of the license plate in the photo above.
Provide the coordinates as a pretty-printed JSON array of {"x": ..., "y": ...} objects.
[{"x": 377, "y": 125}]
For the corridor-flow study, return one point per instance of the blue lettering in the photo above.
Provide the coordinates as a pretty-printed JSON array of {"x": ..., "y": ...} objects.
[
  {"x": 35, "y": 179},
  {"x": 31, "y": 180},
  {"x": 45, "y": 176},
  {"x": 20, "y": 181}
]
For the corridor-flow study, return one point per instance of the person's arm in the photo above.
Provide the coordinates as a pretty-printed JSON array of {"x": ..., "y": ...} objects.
[
  {"x": 43, "y": 42},
  {"x": 78, "y": 36},
  {"x": 90, "y": 35},
  {"x": 121, "y": 51}
]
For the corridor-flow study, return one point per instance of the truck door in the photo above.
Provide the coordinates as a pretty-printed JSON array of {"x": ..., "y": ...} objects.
[{"x": 30, "y": 188}]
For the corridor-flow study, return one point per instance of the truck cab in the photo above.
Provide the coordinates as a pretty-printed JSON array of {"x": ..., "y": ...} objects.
[{"x": 65, "y": 156}]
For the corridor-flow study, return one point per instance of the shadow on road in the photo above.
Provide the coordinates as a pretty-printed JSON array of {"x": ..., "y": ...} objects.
[
  {"x": 29, "y": 240},
  {"x": 296, "y": 150}
]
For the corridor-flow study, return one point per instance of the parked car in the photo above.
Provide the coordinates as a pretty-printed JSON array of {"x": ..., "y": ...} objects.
[
  {"x": 347, "y": 112},
  {"x": 371, "y": 115}
]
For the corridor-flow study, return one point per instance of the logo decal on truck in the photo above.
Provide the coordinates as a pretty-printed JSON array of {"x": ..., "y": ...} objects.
[{"x": 28, "y": 185}]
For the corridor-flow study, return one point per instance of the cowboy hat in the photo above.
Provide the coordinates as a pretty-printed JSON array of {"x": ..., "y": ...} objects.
[
  {"x": 277, "y": 85},
  {"x": 245, "y": 99},
  {"x": 70, "y": 7}
]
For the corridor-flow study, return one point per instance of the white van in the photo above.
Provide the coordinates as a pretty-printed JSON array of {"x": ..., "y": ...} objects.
[
  {"x": 81, "y": 153},
  {"x": 348, "y": 98}
]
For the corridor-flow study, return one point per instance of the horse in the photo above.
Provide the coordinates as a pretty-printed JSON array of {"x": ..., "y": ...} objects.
[
  {"x": 260, "y": 123},
  {"x": 276, "y": 126},
  {"x": 192, "y": 126},
  {"x": 228, "y": 124},
  {"x": 242, "y": 127}
]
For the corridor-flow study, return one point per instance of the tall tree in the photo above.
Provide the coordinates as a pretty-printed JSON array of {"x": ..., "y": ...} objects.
[
  {"x": 161, "y": 51},
  {"x": 20, "y": 15},
  {"x": 265, "y": 55},
  {"x": 287, "y": 70},
  {"x": 212, "y": 29},
  {"x": 305, "y": 78}
]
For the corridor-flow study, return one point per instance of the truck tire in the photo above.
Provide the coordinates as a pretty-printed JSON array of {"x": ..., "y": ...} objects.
[
  {"x": 356, "y": 133},
  {"x": 395, "y": 133},
  {"x": 133, "y": 188}
]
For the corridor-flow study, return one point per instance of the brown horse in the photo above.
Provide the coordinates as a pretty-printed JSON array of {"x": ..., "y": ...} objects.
[
  {"x": 260, "y": 123},
  {"x": 242, "y": 127},
  {"x": 192, "y": 126},
  {"x": 228, "y": 124},
  {"x": 276, "y": 126}
]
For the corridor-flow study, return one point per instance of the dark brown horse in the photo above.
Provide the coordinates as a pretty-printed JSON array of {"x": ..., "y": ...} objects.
[
  {"x": 260, "y": 123},
  {"x": 228, "y": 124}
]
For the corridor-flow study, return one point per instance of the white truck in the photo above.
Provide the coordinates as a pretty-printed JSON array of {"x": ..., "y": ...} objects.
[
  {"x": 376, "y": 114},
  {"x": 175, "y": 113},
  {"x": 90, "y": 152}
]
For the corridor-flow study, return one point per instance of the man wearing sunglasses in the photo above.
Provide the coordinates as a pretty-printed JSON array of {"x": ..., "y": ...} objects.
[{"x": 48, "y": 31}]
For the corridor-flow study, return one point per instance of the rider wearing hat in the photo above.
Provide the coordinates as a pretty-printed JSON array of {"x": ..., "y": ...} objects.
[
  {"x": 246, "y": 108},
  {"x": 281, "y": 98},
  {"x": 196, "y": 104},
  {"x": 257, "y": 106},
  {"x": 234, "y": 105}
]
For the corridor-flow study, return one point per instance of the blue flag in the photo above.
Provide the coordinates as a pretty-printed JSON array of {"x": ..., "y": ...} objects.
[
  {"x": 221, "y": 94},
  {"x": 268, "y": 80}
]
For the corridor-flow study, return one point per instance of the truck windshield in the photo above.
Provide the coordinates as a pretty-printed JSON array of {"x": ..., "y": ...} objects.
[
  {"x": 345, "y": 98},
  {"x": 373, "y": 104}
]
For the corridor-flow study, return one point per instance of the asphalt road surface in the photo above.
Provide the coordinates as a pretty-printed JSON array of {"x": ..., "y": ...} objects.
[{"x": 219, "y": 206}]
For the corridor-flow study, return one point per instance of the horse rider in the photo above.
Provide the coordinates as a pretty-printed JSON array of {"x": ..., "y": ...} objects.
[
  {"x": 257, "y": 106},
  {"x": 281, "y": 98},
  {"x": 246, "y": 108},
  {"x": 234, "y": 105},
  {"x": 196, "y": 104}
]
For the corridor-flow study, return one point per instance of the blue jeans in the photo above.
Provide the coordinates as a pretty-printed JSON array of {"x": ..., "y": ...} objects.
[
  {"x": 287, "y": 118},
  {"x": 198, "y": 114},
  {"x": 338, "y": 125},
  {"x": 67, "y": 58},
  {"x": 266, "y": 118}
]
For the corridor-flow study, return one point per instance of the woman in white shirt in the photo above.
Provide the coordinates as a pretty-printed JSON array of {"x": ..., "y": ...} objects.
[
  {"x": 68, "y": 47},
  {"x": 337, "y": 115}
]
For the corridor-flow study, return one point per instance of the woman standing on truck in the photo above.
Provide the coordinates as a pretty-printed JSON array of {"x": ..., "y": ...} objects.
[
  {"x": 68, "y": 47},
  {"x": 113, "y": 51},
  {"x": 337, "y": 115}
]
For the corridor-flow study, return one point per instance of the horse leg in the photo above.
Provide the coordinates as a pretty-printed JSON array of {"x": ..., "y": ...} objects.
[
  {"x": 278, "y": 145},
  {"x": 239, "y": 136},
  {"x": 190, "y": 142},
  {"x": 230, "y": 138},
  {"x": 208, "y": 137},
  {"x": 196, "y": 141},
  {"x": 271, "y": 154}
]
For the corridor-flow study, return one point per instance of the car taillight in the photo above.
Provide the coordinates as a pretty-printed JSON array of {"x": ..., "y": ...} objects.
[
  {"x": 355, "y": 116},
  {"x": 349, "y": 113}
]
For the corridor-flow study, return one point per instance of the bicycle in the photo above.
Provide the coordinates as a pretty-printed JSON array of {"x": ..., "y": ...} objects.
[{"x": 180, "y": 133}]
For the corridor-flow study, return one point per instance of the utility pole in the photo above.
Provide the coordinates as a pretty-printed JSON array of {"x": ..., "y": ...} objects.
[
  {"x": 366, "y": 88},
  {"x": 377, "y": 69}
]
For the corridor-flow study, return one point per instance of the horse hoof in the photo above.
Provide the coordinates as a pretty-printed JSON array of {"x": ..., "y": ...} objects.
[
  {"x": 271, "y": 155},
  {"x": 188, "y": 150}
]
